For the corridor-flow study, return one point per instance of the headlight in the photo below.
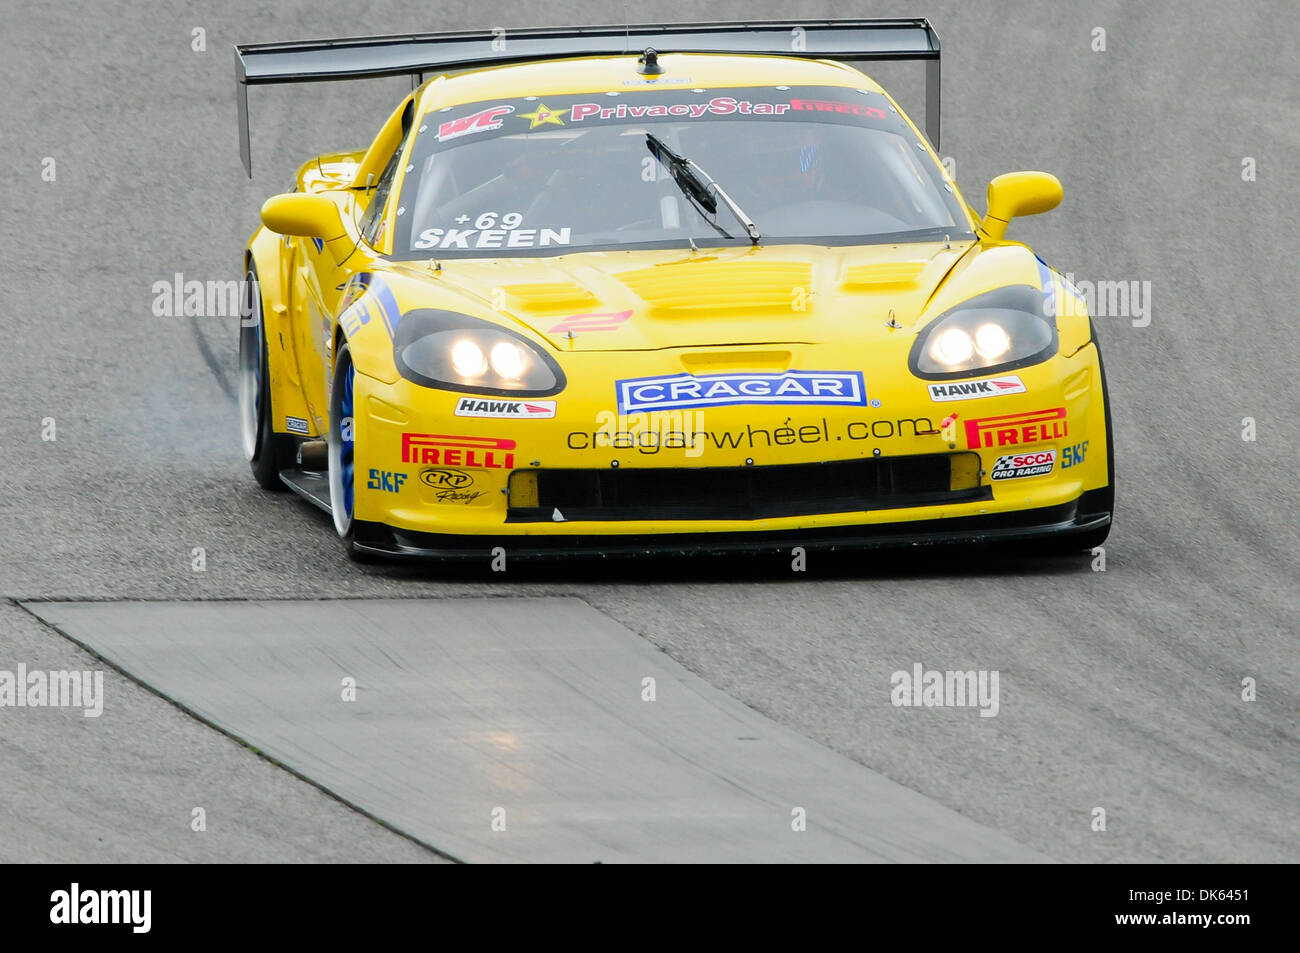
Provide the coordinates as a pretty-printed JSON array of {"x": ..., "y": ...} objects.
[
  {"x": 997, "y": 331},
  {"x": 453, "y": 351}
]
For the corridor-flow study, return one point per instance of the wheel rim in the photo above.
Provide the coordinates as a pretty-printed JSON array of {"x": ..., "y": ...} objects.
[
  {"x": 250, "y": 368},
  {"x": 342, "y": 447}
]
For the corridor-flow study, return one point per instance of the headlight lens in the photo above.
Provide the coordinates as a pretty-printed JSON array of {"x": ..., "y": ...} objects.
[
  {"x": 453, "y": 351},
  {"x": 952, "y": 347},
  {"x": 992, "y": 341},
  {"x": 996, "y": 331},
  {"x": 509, "y": 360},
  {"x": 466, "y": 358}
]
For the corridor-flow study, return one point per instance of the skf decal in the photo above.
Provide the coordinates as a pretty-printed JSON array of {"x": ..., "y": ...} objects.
[
  {"x": 388, "y": 481},
  {"x": 296, "y": 425},
  {"x": 447, "y": 450},
  {"x": 595, "y": 321},
  {"x": 1074, "y": 456},
  {"x": 481, "y": 121},
  {"x": 504, "y": 409},
  {"x": 684, "y": 391},
  {"x": 1023, "y": 465},
  {"x": 1013, "y": 429},
  {"x": 965, "y": 390}
]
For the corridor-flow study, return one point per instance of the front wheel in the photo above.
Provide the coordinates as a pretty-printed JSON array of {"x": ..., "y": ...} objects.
[{"x": 343, "y": 451}]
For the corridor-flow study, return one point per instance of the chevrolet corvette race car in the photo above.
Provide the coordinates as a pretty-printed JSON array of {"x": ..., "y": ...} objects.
[{"x": 660, "y": 289}]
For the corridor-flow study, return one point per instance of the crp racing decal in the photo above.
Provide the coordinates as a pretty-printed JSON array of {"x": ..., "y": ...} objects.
[
  {"x": 451, "y": 486},
  {"x": 794, "y": 388},
  {"x": 966, "y": 390},
  {"x": 368, "y": 298},
  {"x": 450, "y": 450},
  {"x": 505, "y": 409},
  {"x": 441, "y": 478},
  {"x": 481, "y": 121},
  {"x": 1012, "y": 429},
  {"x": 464, "y": 497},
  {"x": 1016, "y": 466}
]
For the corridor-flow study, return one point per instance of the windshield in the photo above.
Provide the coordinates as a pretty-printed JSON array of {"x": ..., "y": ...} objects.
[{"x": 552, "y": 175}]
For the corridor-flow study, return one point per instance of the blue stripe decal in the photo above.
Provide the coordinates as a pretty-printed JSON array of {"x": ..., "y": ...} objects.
[
  {"x": 386, "y": 305},
  {"x": 377, "y": 302}
]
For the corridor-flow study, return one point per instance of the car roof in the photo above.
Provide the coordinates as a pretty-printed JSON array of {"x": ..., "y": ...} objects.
[{"x": 600, "y": 74}]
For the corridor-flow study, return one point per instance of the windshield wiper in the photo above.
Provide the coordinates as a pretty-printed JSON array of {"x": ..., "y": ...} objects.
[{"x": 699, "y": 186}]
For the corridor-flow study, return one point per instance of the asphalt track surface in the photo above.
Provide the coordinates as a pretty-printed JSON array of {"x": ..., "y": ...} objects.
[{"x": 1119, "y": 689}]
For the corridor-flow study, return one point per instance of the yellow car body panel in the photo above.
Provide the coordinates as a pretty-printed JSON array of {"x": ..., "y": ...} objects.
[{"x": 771, "y": 309}]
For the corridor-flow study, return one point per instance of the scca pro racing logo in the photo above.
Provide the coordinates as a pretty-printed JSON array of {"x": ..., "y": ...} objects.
[
  {"x": 1023, "y": 465},
  {"x": 687, "y": 391}
]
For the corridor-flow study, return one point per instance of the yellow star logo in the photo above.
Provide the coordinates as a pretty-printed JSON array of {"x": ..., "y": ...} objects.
[{"x": 542, "y": 115}]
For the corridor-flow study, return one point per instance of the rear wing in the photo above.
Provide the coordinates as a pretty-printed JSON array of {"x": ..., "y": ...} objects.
[{"x": 847, "y": 41}]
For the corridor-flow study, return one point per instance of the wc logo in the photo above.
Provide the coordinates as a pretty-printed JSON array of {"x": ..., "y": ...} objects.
[{"x": 76, "y": 906}]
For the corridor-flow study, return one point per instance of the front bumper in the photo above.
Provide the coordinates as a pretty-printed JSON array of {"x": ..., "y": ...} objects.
[
  {"x": 1058, "y": 523},
  {"x": 432, "y": 484}
]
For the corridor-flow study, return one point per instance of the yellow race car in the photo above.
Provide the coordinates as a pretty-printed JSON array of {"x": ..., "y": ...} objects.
[{"x": 660, "y": 289}]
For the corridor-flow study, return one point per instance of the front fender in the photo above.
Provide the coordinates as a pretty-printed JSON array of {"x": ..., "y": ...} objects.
[{"x": 266, "y": 250}]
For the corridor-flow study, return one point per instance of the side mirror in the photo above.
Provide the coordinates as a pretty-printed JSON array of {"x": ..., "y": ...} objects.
[
  {"x": 301, "y": 213},
  {"x": 1019, "y": 193}
]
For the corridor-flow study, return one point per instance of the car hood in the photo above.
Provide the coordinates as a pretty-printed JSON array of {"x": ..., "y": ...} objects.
[{"x": 647, "y": 300}]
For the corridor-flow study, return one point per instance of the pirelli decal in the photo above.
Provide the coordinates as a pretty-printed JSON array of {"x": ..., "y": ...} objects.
[
  {"x": 449, "y": 450},
  {"x": 1012, "y": 430}
]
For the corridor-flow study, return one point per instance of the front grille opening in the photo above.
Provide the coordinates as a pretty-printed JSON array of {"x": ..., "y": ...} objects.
[{"x": 745, "y": 493}]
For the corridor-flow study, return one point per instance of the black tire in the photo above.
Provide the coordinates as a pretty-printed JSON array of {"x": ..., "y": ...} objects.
[
  {"x": 266, "y": 451},
  {"x": 342, "y": 453}
]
